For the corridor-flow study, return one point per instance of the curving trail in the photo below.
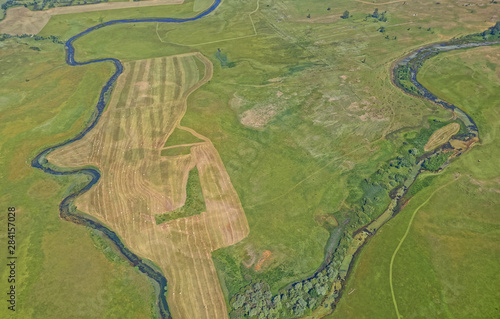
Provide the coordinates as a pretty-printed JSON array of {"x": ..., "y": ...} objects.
[
  {"x": 413, "y": 61},
  {"x": 40, "y": 161},
  {"x": 403, "y": 239}
]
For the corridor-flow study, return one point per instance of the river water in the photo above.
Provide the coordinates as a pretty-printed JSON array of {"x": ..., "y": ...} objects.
[{"x": 40, "y": 162}]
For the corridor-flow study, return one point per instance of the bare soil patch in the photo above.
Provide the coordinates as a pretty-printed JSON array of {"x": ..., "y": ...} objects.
[
  {"x": 259, "y": 117},
  {"x": 263, "y": 258}
]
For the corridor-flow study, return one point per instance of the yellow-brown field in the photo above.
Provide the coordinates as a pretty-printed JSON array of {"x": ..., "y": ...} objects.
[
  {"x": 442, "y": 136},
  {"x": 138, "y": 183},
  {"x": 21, "y": 20}
]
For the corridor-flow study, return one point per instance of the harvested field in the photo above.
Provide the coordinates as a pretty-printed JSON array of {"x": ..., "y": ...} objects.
[
  {"x": 441, "y": 136},
  {"x": 21, "y": 20},
  {"x": 138, "y": 183}
]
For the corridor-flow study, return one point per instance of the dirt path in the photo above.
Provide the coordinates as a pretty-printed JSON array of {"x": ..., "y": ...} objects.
[
  {"x": 403, "y": 239},
  {"x": 21, "y": 20},
  {"x": 381, "y": 3}
]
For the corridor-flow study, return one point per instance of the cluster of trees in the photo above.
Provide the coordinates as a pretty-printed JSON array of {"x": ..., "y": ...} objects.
[
  {"x": 379, "y": 16},
  {"x": 257, "y": 301},
  {"x": 54, "y": 39},
  {"x": 493, "y": 31},
  {"x": 12, "y": 3},
  {"x": 402, "y": 77},
  {"x": 491, "y": 34},
  {"x": 382, "y": 185},
  {"x": 435, "y": 162},
  {"x": 44, "y": 4}
]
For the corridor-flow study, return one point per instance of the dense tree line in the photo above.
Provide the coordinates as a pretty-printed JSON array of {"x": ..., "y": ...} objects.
[
  {"x": 493, "y": 31},
  {"x": 46, "y": 4},
  {"x": 435, "y": 162},
  {"x": 298, "y": 299},
  {"x": 367, "y": 200},
  {"x": 54, "y": 39}
]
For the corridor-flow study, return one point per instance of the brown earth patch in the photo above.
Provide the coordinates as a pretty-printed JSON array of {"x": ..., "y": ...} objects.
[
  {"x": 259, "y": 117},
  {"x": 21, "y": 20},
  {"x": 263, "y": 258},
  {"x": 24, "y": 21},
  {"x": 374, "y": 117}
]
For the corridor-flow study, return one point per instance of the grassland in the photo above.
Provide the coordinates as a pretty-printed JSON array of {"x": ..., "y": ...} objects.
[
  {"x": 302, "y": 119},
  {"x": 266, "y": 115},
  {"x": 79, "y": 22},
  {"x": 446, "y": 266},
  {"x": 38, "y": 109}
]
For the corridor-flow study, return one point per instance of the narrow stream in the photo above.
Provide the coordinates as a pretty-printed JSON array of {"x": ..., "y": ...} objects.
[
  {"x": 65, "y": 208},
  {"x": 413, "y": 62}
]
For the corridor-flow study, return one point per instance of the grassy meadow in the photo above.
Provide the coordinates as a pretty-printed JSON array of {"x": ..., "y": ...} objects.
[
  {"x": 61, "y": 269},
  {"x": 447, "y": 265},
  {"x": 302, "y": 111}
]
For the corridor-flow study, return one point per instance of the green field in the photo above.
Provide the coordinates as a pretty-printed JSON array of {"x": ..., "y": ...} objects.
[
  {"x": 447, "y": 264},
  {"x": 305, "y": 118}
]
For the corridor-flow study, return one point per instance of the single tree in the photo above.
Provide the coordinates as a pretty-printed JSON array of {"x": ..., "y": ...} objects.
[{"x": 345, "y": 15}]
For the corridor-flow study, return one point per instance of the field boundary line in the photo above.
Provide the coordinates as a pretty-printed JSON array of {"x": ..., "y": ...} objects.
[
  {"x": 182, "y": 145},
  {"x": 222, "y": 40},
  {"x": 403, "y": 239},
  {"x": 380, "y": 3}
]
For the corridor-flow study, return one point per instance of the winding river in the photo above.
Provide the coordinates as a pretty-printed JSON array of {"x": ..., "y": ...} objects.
[
  {"x": 414, "y": 60},
  {"x": 93, "y": 174},
  {"x": 417, "y": 58}
]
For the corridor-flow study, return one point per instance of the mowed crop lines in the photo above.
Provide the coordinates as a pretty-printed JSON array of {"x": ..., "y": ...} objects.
[
  {"x": 138, "y": 183},
  {"x": 441, "y": 136}
]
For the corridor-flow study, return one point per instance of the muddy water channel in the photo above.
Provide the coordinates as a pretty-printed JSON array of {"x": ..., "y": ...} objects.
[{"x": 409, "y": 66}]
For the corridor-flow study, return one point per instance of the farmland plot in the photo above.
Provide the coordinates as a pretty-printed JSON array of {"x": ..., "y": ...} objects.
[{"x": 139, "y": 183}]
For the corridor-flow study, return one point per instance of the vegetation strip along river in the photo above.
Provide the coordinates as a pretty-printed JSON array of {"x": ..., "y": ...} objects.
[
  {"x": 66, "y": 207},
  {"x": 410, "y": 63}
]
